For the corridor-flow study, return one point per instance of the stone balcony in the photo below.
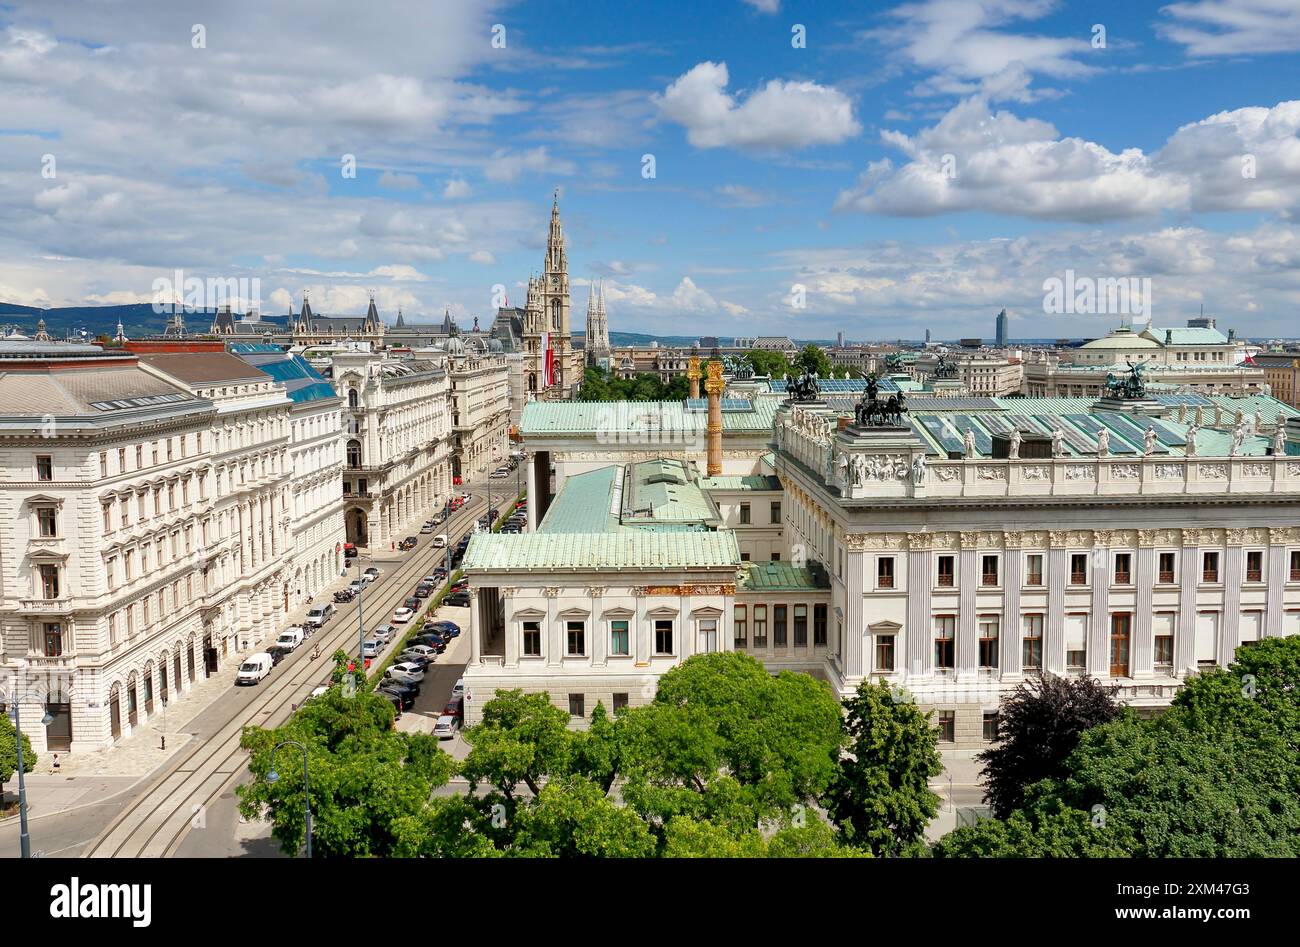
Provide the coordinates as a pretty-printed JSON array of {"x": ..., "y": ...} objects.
[{"x": 44, "y": 606}]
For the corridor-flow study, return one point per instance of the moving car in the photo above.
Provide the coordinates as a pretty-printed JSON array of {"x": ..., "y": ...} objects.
[
  {"x": 402, "y": 615},
  {"x": 278, "y": 653},
  {"x": 445, "y": 728},
  {"x": 440, "y": 541},
  {"x": 428, "y": 527},
  {"x": 405, "y": 671},
  {"x": 455, "y": 708},
  {"x": 407, "y": 543},
  {"x": 349, "y": 550},
  {"x": 319, "y": 615},
  {"x": 290, "y": 638},
  {"x": 499, "y": 474},
  {"x": 254, "y": 669}
]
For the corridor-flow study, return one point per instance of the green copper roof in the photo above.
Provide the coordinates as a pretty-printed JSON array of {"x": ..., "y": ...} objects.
[
  {"x": 582, "y": 552},
  {"x": 1187, "y": 335},
  {"x": 780, "y": 577},
  {"x": 584, "y": 504},
  {"x": 735, "y": 482}
]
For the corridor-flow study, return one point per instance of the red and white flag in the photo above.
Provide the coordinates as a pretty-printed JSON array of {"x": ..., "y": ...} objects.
[{"x": 548, "y": 361}]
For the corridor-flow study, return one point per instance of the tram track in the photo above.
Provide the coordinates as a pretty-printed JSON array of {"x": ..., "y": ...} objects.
[{"x": 154, "y": 824}]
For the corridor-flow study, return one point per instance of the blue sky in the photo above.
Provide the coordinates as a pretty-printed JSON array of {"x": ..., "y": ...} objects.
[{"x": 917, "y": 165}]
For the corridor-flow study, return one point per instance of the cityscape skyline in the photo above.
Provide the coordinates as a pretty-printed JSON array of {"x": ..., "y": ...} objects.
[{"x": 967, "y": 165}]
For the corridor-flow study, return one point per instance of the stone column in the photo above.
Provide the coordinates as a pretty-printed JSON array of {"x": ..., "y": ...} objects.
[
  {"x": 509, "y": 630},
  {"x": 1233, "y": 568},
  {"x": 968, "y": 579},
  {"x": 1142, "y": 646},
  {"x": 1013, "y": 563},
  {"x": 1189, "y": 574},
  {"x": 714, "y": 386},
  {"x": 854, "y": 624},
  {"x": 1058, "y": 565},
  {"x": 532, "y": 496},
  {"x": 554, "y": 633},
  {"x": 1098, "y": 659},
  {"x": 1277, "y": 574},
  {"x": 596, "y": 629},
  {"x": 920, "y": 565},
  {"x": 476, "y": 632}
]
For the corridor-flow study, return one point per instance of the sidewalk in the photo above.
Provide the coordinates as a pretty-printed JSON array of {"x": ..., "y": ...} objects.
[{"x": 958, "y": 788}]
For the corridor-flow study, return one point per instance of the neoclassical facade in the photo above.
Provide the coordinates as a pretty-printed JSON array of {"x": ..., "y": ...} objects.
[{"x": 397, "y": 443}]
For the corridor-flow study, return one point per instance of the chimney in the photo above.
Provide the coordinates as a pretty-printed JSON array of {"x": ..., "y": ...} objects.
[{"x": 713, "y": 386}]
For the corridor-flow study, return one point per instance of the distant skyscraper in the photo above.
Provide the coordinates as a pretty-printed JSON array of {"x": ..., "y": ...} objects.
[
  {"x": 839, "y": 338},
  {"x": 927, "y": 336},
  {"x": 1002, "y": 329}
]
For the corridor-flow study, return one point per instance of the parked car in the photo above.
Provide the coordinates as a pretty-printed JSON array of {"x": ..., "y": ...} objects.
[
  {"x": 278, "y": 653},
  {"x": 431, "y": 639},
  {"x": 428, "y": 527},
  {"x": 458, "y": 690},
  {"x": 254, "y": 668},
  {"x": 467, "y": 496},
  {"x": 459, "y": 598},
  {"x": 407, "y": 543},
  {"x": 448, "y": 629},
  {"x": 371, "y": 648},
  {"x": 290, "y": 638},
  {"x": 405, "y": 671},
  {"x": 422, "y": 590},
  {"x": 345, "y": 595},
  {"x": 349, "y": 550},
  {"x": 384, "y": 633},
  {"x": 415, "y": 660},
  {"x": 405, "y": 688},
  {"x": 402, "y": 615},
  {"x": 412, "y": 602},
  {"x": 499, "y": 474},
  {"x": 445, "y": 728},
  {"x": 373, "y": 572},
  {"x": 435, "y": 577},
  {"x": 319, "y": 615},
  {"x": 394, "y": 700},
  {"x": 407, "y": 697},
  {"x": 306, "y": 632},
  {"x": 419, "y": 650},
  {"x": 455, "y": 708}
]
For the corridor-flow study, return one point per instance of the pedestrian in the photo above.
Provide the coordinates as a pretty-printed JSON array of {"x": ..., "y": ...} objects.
[{"x": 55, "y": 765}]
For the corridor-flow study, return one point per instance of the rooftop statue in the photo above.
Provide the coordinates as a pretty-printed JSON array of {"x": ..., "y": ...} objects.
[
  {"x": 945, "y": 368},
  {"x": 738, "y": 367},
  {"x": 1133, "y": 385},
  {"x": 804, "y": 388},
  {"x": 872, "y": 412}
]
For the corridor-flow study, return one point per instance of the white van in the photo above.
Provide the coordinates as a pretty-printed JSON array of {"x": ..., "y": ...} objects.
[
  {"x": 290, "y": 638},
  {"x": 440, "y": 541},
  {"x": 254, "y": 668}
]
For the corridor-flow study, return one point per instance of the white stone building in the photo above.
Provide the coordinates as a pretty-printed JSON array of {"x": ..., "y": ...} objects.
[
  {"x": 480, "y": 408},
  {"x": 397, "y": 443}
]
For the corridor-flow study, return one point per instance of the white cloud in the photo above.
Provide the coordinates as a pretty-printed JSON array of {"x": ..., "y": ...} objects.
[
  {"x": 978, "y": 160},
  {"x": 399, "y": 272},
  {"x": 505, "y": 165},
  {"x": 1232, "y": 27},
  {"x": 778, "y": 116},
  {"x": 395, "y": 181},
  {"x": 740, "y": 195},
  {"x": 765, "y": 6},
  {"x": 482, "y": 257},
  {"x": 960, "y": 43},
  {"x": 456, "y": 188}
]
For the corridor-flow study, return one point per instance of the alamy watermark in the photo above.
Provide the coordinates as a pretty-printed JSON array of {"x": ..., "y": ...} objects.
[
  {"x": 212, "y": 293},
  {"x": 1097, "y": 295}
]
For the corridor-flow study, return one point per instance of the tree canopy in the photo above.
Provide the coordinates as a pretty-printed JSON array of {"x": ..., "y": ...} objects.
[
  {"x": 9, "y": 750},
  {"x": 600, "y": 385}
]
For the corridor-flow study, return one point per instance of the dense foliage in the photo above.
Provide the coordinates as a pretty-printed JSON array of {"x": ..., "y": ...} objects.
[
  {"x": 600, "y": 385},
  {"x": 9, "y": 750},
  {"x": 1215, "y": 776}
]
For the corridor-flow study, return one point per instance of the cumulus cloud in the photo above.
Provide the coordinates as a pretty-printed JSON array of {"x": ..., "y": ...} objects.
[
  {"x": 399, "y": 272},
  {"x": 505, "y": 165},
  {"x": 482, "y": 257},
  {"x": 455, "y": 189},
  {"x": 975, "y": 159},
  {"x": 779, "y": 116}
]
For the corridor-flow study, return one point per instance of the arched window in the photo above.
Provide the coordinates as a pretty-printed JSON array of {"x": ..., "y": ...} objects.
[
  {"x": 353, "y": 399},
  {"x": 555, "y": 314},
  {"x": 532, "y": 381},
  {"x": 354, "y": 454}
]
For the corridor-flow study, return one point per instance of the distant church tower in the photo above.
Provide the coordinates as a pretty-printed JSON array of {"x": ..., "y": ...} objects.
[
  {"x": 597, "y": 345},
  {"x": 549, "y": 366}
]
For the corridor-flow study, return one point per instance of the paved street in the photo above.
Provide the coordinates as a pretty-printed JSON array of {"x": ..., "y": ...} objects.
[{"x": 145, "y": 801}]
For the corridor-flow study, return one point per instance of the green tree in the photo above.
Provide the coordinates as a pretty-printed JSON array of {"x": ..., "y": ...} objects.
[
  {"x": 572, "y": 817},
  {"x": 1045, "y": 828},
  {"x": 811, "y": 358},
  {"x": 881, "y": 797},
  {"x": 9, "y": 752},
  {"x": 523, "y": 738},
  {"x": 1039, "y": 725},
  {"x": 773, "y": 364}
]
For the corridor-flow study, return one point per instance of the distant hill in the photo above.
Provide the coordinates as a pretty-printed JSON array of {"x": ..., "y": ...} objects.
[{"x": 137, "y": 319}]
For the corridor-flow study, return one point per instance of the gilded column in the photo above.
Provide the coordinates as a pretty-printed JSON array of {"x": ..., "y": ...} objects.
[
  {"x": 693, "y": 375},
  {"x": 714, "y": 386}
]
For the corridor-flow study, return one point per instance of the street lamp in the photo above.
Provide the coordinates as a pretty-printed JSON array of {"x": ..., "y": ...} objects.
[
  {"x": 274, "y": 777},
  {"x": 24, "y": 839}
]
